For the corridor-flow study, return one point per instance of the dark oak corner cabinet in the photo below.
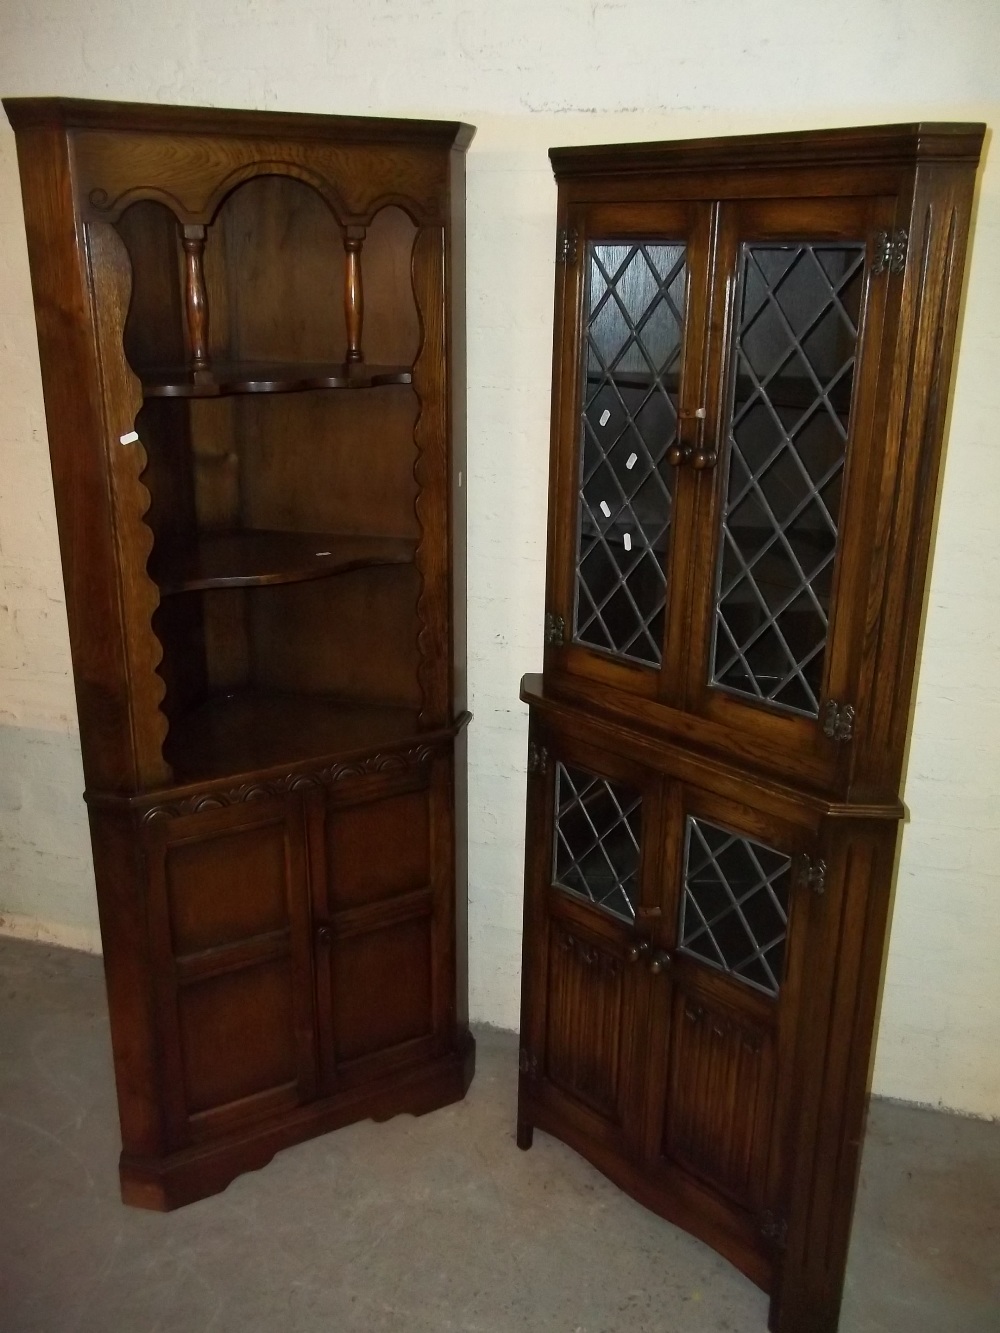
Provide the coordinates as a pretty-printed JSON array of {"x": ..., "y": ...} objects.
[
  {"x": 753, "y": 350},
  {"x": 251, "y": 330}
]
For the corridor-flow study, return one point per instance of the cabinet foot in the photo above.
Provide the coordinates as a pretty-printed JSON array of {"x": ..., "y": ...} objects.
[{"x": 525, "y": 1135}]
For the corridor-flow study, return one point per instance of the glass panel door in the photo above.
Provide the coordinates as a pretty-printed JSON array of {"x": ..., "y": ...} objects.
[
  {"x": 632, "y": 342},
  {"x": 778, "y": 585},
  {"x": 791, "y": 379},
  {"x": 737, "y": 914},
  {"x": 635, "y": 299}
]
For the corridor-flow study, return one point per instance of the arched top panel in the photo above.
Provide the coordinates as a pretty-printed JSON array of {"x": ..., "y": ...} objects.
[{"x": 193, "y": 175}]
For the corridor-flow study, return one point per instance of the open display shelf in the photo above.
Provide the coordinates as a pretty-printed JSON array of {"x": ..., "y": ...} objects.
[
  {"x": 223, "y": 380},
  {"x": 253, "y": 729},
  {"x": 252, "y": 559},
  {"x": 254, "y": 398}
]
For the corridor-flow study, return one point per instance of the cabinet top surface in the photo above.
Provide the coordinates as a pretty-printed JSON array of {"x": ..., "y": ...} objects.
[
  {"x": 79, "y": 113},
  {"x": 945, "y": 140}
]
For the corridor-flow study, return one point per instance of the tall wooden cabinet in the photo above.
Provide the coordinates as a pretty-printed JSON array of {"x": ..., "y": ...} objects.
[
  {"x": 251, "y": 330},
  {"x": 753, "y": 349}
]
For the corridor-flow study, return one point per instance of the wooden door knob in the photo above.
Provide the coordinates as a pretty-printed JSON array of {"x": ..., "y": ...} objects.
[{"x": 659, "y": 962}]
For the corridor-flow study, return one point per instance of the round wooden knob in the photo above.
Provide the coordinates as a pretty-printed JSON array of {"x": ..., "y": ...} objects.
[
  {"x": 702, "y": 460},
  {"x": 676, "y": 455},
  {"x": 659, "y": 962},
  {"x": 636, "y": 951}
]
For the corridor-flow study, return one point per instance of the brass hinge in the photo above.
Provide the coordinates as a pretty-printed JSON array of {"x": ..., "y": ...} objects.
[
  {"x": 527, "y": 1063},
  {"x": 838, "y": 723},
  {"x": 566, "y": 245},
  {"x": 538, "y": 758},
  {"x": 774, "y": 1228},
  {"x": 555, "y": 629},
  {"x": 812, "y": 874},
  {"x": 889, "y": 252}
]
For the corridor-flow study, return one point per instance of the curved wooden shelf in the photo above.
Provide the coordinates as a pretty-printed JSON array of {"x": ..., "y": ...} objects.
[
  {"x": 223, "y": 380},
  {"x": 260, "y": 557}
]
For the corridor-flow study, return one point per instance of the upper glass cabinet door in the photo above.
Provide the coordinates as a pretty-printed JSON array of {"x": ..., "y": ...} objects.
[
  {"x": 779, "y": 595},
  {"x": 633, "y": 307}
]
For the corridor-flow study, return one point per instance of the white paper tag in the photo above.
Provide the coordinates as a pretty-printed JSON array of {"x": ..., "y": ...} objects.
[
  {"x": 628, "y": 541},
  {"x": 631, "y": 461},
  {"x": 604, "y": 509},
  {"x": 605, "y": 417},
  {"x": 130, "y": 438}
]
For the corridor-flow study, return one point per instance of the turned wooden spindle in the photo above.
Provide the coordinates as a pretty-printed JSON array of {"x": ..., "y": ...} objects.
[
  {"x": 196, "y": 298},
  {"x": 354, "y": 297}
]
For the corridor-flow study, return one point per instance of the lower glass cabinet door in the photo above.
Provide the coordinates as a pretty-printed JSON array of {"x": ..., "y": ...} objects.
[{"x": 666, "y": 936}]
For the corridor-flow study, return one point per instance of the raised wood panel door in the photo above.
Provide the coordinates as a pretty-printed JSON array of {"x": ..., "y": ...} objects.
[
  {"x": 781, "y": 555},
  {"x": 738, "y": 915},
  {"x": 629, "y": 367},
  {"x": 591, "y": 876},
  {"x": 383, "y": 928},
  {"x": 228, "y": 912}
]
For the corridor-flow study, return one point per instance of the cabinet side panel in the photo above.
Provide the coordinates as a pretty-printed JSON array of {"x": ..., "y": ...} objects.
[
  {"x": 922, "y": 370},
  {"x": 834, "y": 1072},
  {"x": 121, "y": 902},
  {"x": 455, "y": 362},
  {"x": 70, "y": 380}
]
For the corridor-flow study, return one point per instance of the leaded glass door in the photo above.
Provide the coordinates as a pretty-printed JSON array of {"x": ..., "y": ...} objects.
[
  {"x": 738, "y": 916},
  {"x": 633, "y": 310},
  {"x": 779, "y": 591},
  {"x": 593, "y": 851}
]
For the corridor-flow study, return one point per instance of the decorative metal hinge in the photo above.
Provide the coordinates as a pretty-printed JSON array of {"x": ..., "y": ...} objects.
[
  {"x": 566, "y": 245},
  {"x": 527, "y": 1063},
  {"x": 555, "y": 629},
  {"x": 889, "y": 251},
  {"x": 838, "y": 723},
  {"x": 774, "y": 1228},
  {"x": 538, "y": 758},
  {"x": 812, "y": 874}
]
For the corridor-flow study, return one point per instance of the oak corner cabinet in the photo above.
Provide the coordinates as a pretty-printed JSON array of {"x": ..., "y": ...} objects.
[
  {"x": 753, "y": 351},
  {"x": 251, "y": 330}
]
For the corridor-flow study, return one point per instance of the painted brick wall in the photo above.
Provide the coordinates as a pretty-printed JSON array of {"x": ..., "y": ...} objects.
[{"x": 532, "y": 73}]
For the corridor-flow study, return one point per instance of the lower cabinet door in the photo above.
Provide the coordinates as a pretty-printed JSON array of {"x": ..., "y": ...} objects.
[
  {"x": 733, "y": 932},
  {"x": 382, "y": 854},
  {"x": 228, "y": 917},
  {"x": 667, "y": 935},
  {"x": 591, "y": 881}
]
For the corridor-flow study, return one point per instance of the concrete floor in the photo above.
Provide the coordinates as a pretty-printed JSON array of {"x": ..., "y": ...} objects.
[{"x": 422, "y": 1225}]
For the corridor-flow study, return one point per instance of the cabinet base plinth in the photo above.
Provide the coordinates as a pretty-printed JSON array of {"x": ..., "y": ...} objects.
[
  {"x": 741, "y": 1248},
  {"x": 198, "y": 1172}
]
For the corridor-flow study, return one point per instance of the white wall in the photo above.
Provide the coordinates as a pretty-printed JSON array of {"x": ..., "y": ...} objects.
[{"x": 531, "y": 73}]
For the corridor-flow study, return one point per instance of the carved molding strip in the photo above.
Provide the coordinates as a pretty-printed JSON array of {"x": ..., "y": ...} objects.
[
  {"x": 218, "y": 799},
  {"x": 588, "y": 954}
]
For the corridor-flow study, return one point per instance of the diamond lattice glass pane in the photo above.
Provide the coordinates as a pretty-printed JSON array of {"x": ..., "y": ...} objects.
[
  {"x": 734, "y": 913},
  {"x": 793, "y": 373},
  {"x": 632, "y": 362},
  {"x": 597, "y": 831}
]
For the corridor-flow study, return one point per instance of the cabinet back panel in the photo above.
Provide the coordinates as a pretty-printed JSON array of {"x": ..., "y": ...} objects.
[
  {"x": 382, "y": 992},
  {"x": 354, "y": 637},
  {"x": 154, "y": 330},
  {"x": 249, "y": 1012},
  {"x": 227, "y": 888},
  {"x": 179, "y": 625},
  {"x": 378, "y": 850},
  {"x": 282, "y": 252},
  {"x": 339, "y": 461}
]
